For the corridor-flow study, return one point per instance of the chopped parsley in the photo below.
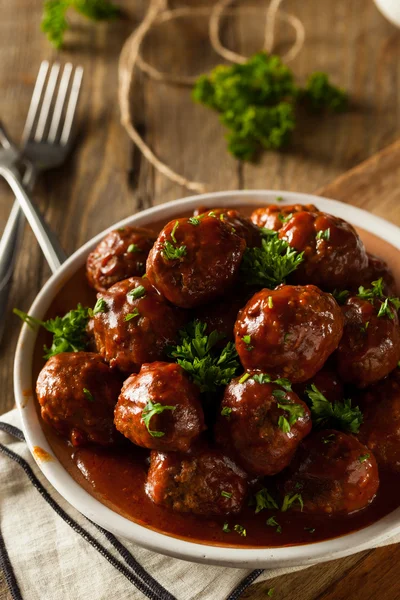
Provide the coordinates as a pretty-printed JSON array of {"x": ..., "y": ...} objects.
[
  {"x": 149, "y": 411},
  {"x": 175, "y": 227},
  {"x": 100, "y": 307},
  {"x": 264, "y": 378},
  {"x": 269, "y": 265},
  {"x": 208, "y": 366},
  {"x": 272, "y": 522},
  {"x": 133, "y": 248},
  {"x": 244, "y": 377},
  {"x": 171, "y": 251},
  {"x": 290, "y": 499},
  {"x": 324, "y": 235},
  {"x": 240, "y": 530},
  {"x": 212, "y": 214},
  {"x": 225, "y": 528},
  {"x": 270, "y": 592},
  {"x": 247, "y": 341},
  {"x": 137, "y": 292},
  {"x": 132, "y": 315},
  {"x": 226, "y": 411},
  {"x": 88, "y": 395},
  {"x": 270, "y": 302},
  {"x": 296, "y": 411},
  {"x": 194, "y": 221},
  {"x": 339, "y": 415},
  {"x": 375, "y": 292},
  {"x": 226, "y": 494},
  {"x": 309, "y": 529},
  {"x": 340, "y": 295},
  {"x": 329, "y": 439},
  {"x": 69, "y": 331},
  {"x": 263, "y": 499},
  {"x": 364, "y": 457}
]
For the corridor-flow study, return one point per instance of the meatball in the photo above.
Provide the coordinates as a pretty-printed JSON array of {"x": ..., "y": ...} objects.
[
  {"x": 376, "y": 269},
  {"x": 221, "y": 315},
  {"x": 160, "y": 408},
  {"x": 77, "y": 393},
  {"x": 370, "y": 346},
  {"x": 288, "y": 332},
  {"x": 205, "y": 482},
  {"x": 274, "y": 216},
  {"x": 191, "y": 264},
  {"x": 262, "y": 424},
  {"x": 232, "y": 217},
  {"x": 135, "y": 324},
  {"x": 334, "y": 474},
  {"x": 121, "y": 254},
  {"x": 334, "y": 254},
  {"x": 380, "y": 430},
  {"x": 326, "y": 381}
]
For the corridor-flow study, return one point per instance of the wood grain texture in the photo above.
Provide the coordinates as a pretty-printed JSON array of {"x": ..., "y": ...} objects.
[{"x": 106, "y": 179}]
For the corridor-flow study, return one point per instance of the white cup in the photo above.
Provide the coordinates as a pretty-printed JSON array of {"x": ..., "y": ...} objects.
[{"x": 390, "y": 9}]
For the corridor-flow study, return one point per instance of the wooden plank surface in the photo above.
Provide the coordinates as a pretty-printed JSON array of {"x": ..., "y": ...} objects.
[{"x": 106, "y": 179}]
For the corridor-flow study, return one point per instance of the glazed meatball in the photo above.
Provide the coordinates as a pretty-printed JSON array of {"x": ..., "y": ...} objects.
[
  {"x": 262, "y": 424},
  {"x": 135, "y": 324},
  {"x": 77, "y": 393},
  {"x": 221, "y": 315},
  {"x": 380, "y": 430},
  {"x": 370, "y": 346},
  {"x": 240, "y": 224},
  {"x": 121, "y": 254},
  {"x": 205, "y": 482},
  {"x": 288, "y": 332},
  {"x": 334, "y": 254},
  {"x": 274, "y": 216},
  {"x": 160, "y": 408},
  {"x": 326, "y": 381},
  {"x": 376, "y": 269},
  {"x": 334, "y": 473},
  {"x": 191, "y": 264}
]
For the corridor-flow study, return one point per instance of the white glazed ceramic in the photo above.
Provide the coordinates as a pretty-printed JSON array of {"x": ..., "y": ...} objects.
[
  {"x": 379, "y": 532},
  {"x": 390, "y": 9}
]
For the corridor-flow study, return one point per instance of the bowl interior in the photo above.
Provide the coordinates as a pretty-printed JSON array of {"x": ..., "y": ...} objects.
[{"x": 380, "y": 237}]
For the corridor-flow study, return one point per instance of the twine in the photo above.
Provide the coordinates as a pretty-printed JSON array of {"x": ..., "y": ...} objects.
[{"x": 159, "y": 13}]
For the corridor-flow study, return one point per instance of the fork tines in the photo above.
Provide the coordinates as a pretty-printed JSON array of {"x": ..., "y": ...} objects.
[{"x": 48, "y": 108}]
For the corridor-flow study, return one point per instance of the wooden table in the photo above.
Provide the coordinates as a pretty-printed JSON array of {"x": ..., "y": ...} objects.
[{"x": 106, "y": 179}]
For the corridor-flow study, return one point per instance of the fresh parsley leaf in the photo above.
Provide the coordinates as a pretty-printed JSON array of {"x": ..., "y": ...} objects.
[
  {"x": 247, "y": 341},
  {"x": 375, "y": 292},
  {"x": 340, "y": 295},
  {"x": 137, "y": 292},
  {"x": 88, "y": 395},
  {"x": 339, "y": 415},
  {"x": 270, "y": 592},
  {"x": 364, "y": 457},
  {"x": 54, "y": 22},
  {"x": 272, "y": 522},
  {"x": 270, "y": 302},
  {"x": 290, "y": 499},
  {"x": 208, "y": 366},
  {"x": 225, "y": 528},
  {"x": 263, "y": 500},
  {"x": 269, "y": 265},
  {"x": 240, "y": 530},
  {"x": 226, "y": 411},
  {"x": 69, "y": 331},
  {"x": 171, "y": 253},
  {"x": 175, "y": 227},
  {"x": 194, "y": 221},
  {"x": 100, "y": 307},
  {"x": 132, "y": 248},
  {"x": 295, "y": 411},
  {"x": 226, "y": 494},
  {"x": 324, "y": 235},
  {"x": 132, "y": 315},
  {"x": 149, "y": 411}
]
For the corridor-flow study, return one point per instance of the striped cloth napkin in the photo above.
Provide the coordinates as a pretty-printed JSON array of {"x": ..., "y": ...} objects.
[{"x": 49, "y": 551}]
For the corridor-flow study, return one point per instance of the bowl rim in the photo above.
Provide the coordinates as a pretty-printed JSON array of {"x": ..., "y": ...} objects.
[{"x": 377, "y": 533}]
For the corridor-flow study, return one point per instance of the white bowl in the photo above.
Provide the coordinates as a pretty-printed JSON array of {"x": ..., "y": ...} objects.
[{"x": 304, "y": 554}]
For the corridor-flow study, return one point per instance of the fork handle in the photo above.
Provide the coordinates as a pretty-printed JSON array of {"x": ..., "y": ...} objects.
[{"x": 53, "y": 253}]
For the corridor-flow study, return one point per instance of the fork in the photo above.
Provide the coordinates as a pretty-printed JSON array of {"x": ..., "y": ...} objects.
[{"x": 46, "y": 142}]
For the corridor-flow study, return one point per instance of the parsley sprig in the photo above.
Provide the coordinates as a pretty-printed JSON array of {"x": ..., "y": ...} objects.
[
  {"x": 69, "y": 331},
  {"x": 269, "y": 265},
  {"x": 257, "y": 101},
  {"x": 208, "y": 366},
  {"x": 54, "y": 20},
  {"x": 375, "y": 292},
  {"x": 339, "y": 415},
  {"x": 151, "y": 409}
]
